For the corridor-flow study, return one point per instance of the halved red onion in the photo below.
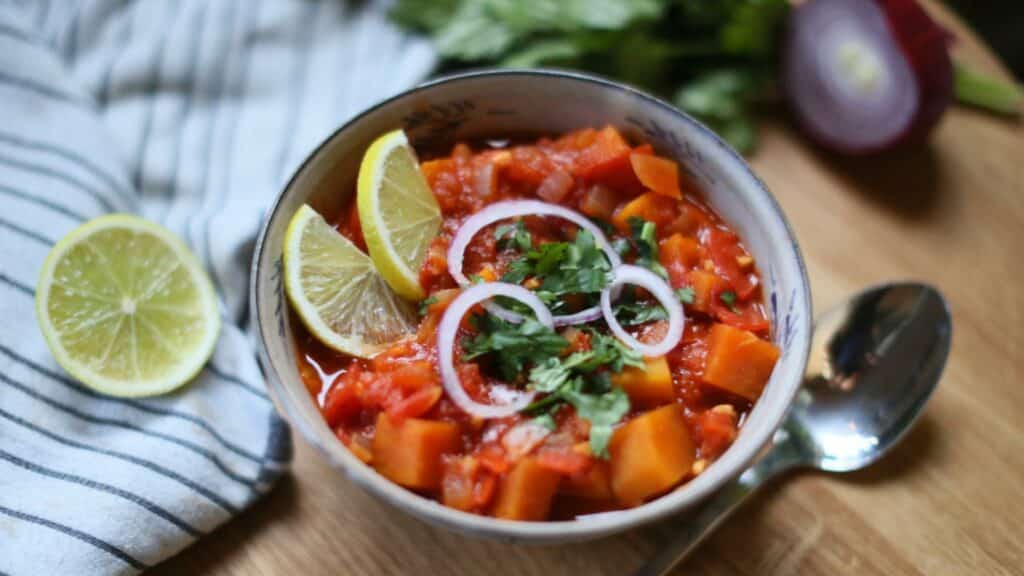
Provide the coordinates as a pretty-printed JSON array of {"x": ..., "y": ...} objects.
[
  {"x": 448, "y": 330},
  {"x": 662, "y": 292},
  {"x": 849, "y": 83},
  {"x": 514, "y": 209}
]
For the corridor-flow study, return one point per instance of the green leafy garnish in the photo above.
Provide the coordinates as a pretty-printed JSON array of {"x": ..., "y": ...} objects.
[
  {"x": 562, "y": 268},
  {"x": 646, "y": 245},
  {"x": 666, "y": 46},
  {"x": 513, "y": 236},
  {"x": 510, "y": 347},
  {"x": 546, "y": 420},
  {"x": 582, "y": 380},
  {"x": 729, "y": 299},
  {"x": 686, "y": 295},
  {"x": 425, "y": 305}
]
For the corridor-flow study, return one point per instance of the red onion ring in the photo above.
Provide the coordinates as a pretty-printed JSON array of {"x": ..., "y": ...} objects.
[
  {"x": 662, "y": 292},
  {"x": 516, "y": 208},
  {"x": 448, "y": 329}
]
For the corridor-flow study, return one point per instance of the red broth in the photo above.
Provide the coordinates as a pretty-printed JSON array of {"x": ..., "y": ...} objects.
[{"x": 686, "y": 407}]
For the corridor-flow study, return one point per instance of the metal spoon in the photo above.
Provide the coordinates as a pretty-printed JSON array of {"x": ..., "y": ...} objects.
[{"x": 874, "y": 362}]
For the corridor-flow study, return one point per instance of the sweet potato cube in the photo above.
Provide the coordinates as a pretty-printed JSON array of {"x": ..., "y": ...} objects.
[
  {"x": 706, "y": 287},
  {"x": 658, "y": 174},
  {"x": 679, "y": 250},
  {"x": 409, "y": 453},
  {"x": 650, "y": 454},
  {"x": 648, "y": 206},
  {"x": 648, "y": 386},
  {"x": 595, "y": 483},
  {"x": 738, "y": 361},
  {"x": 526, "y": 491}
]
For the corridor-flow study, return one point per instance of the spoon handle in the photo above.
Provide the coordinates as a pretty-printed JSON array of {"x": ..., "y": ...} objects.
[{"x": 695, "y": 529}]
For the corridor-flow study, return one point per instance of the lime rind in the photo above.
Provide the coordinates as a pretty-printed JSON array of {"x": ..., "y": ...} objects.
[{"x": 86, "y": 299}]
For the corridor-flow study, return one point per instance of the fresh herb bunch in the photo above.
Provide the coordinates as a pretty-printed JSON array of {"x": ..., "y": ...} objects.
[
  {"x": 712, "y": 58},
  {"x": 562, "y": 268}
]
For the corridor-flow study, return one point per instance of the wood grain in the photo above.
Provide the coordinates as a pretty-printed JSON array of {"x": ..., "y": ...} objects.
[{"x": 949, "y": 500}]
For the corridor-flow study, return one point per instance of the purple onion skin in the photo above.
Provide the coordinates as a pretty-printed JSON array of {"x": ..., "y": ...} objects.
[{"x": 924, "y": 46}]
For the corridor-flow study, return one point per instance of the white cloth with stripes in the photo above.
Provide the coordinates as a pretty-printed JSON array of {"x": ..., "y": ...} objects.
[{"x": 192, "y": 113}]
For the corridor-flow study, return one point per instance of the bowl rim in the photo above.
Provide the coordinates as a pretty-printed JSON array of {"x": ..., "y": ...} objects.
[{"x": 537, "y": 531}]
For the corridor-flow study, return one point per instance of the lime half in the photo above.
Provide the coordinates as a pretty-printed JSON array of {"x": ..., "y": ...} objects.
[
  {"x": 337, "y": 292},
  {"x": 398, "y": 212},
  {"x": 126, "y": 308}
]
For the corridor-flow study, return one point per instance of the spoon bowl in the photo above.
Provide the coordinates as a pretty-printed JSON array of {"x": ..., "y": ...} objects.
[{"x": 875, "y": 361}]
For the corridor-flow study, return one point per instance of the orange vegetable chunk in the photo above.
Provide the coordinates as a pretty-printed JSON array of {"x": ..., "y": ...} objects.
[
  {"x": 595, "y": 483},
  {"x": 650, "y": 454},
  {"x": 706, "y": 287},
  {"x": 659, "y": 174},
  {"x": 648, "y": 386},
  {"x": 738, "y": 361},
  {"x": 409, "y": 453},
  {"x": 650, "y": 206},
  {"x": 526, "y": 491}
]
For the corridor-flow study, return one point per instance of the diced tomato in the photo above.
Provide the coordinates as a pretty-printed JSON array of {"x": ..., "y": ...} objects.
[
  {"x": 651, "y": 207},
  {"x": 716, "y": 430},
  {"x": 555, "y": 186},
  {"x": 416, "y": 404},
  {"x": 679, "y": 254},
  {"x": 749, "y": 317},
  {"x": 659, "y": 174},
  {"x": 606, "y": 159},
  {"x": 599, "y": 201},
  {"x": 564, "y": 460},
  {"x": 725, "y": 249},
  {"x": 492, "y": 457},
  {"x": 343, "y": 400},
  {"x": 484, "y": 489}
]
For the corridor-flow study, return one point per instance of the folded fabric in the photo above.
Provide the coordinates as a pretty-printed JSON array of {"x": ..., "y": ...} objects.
[{"x": 193, "y": 114}]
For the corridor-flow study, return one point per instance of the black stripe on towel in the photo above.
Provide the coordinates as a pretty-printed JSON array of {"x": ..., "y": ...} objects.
[
  {"x": 131, "y": 459},
  {"x": 17, "y": 285},
  {"x": 70, "y": 383},
  {"x": 41, "y": 89},
  {"x": 103, "y": 487},
  {"x": 44, "y": 203},
  {"x": 77, "y": 534},
  {"x": 236, "y": 380},
  {"x": 86, "y": 164},
  {"x": 61, "y": 177},
  {"x": 26, "y": 233},
  {"x": 199, "y": 450}
]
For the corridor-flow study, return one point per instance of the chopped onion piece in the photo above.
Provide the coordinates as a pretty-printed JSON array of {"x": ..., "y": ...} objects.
[
  {"x": 448, "y": 330},
  {"x": 662, "y": 292},
  {"x": 514, "y": 209}
]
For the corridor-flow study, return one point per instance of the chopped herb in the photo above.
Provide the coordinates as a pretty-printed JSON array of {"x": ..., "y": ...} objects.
[
  {"x": 621, "y": 246},
  {"x": 426, "y": 303},
  {"x": 513, "y": 236},
  {"x": 582, "y": 380},
  {"x": 686, "y": 295},
  {"x": 546, "y": 420},
  {"x": 475, "y": 278},
  {"x": 563, "y": 268},
  {"x": 646, "y": 245},
  {"x": 510, "y": 347},
  {"x": 636, "y": 313},
  {"x": 729, "y": 299}
]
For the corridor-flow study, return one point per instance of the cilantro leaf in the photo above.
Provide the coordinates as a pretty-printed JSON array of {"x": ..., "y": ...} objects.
[
  {"x": 729, "y": 299},
  {"x": 513, "y": 236},
  {"x": 686, "y": 295},
  {"x": 546, "y": 420},
  {"x": 510, "y": 347},
  {"x": 636, "y": 313},
  {"x": 643, "y": 233},
  {"x": 603, "y": 411},
  {"x": 425, "y": 305}
]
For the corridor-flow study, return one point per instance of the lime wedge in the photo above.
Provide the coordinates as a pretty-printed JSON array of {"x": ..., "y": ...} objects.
[
  {"x": 397, "y": 211},
  {"x": 337, "y": 292},
  {"x": 126, "y": 308}
]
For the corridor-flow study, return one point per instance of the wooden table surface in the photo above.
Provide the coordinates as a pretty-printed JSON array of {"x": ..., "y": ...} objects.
[{"x": 948, "y": 500}]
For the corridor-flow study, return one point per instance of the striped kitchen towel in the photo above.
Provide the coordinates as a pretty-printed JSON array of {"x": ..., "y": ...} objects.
[{"x": 191, "y": 113}]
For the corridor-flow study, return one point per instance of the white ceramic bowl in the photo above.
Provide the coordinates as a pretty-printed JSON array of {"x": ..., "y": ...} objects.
[{"x": 495, "y": 104}]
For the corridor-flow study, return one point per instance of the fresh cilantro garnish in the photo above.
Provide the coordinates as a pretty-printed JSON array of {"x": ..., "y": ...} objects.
[
  {"x": 426, "y": 303},
  {"x": 667, "y": 46},
  {"x": 636, "y": 313},
  {"x": 582, "y": 380},
  {"x": 729, "y": 299},
  {"x": 646, "y": 245},
  {"x": 686, "y": 295},
  {"x": 510, "y": 347},
  {"x": 562, "y": 268},
  {"x": 513, "y": 236},
  {"x": 546, "y": 420}
]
